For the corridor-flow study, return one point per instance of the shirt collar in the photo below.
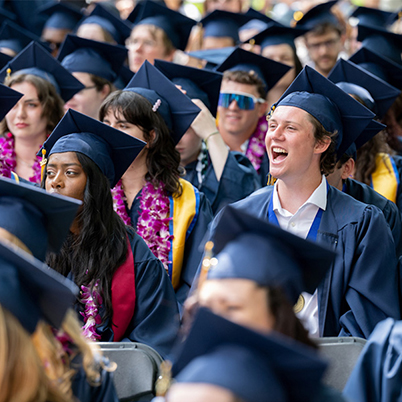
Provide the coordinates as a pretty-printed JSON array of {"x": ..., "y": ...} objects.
[{"x": 318, "y": 198}]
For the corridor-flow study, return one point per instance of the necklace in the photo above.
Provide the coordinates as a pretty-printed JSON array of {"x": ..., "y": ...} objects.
[
  {"x": 256, "y": 145},
  {"x": 92, "y": 299},
  {"x": 8, "y": 159}
]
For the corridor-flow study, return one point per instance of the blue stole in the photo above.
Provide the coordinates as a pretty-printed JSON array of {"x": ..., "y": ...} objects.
[{"x": 312, "y": 234}]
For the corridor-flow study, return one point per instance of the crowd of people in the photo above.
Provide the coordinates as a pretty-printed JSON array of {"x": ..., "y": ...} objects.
[{"x": 219, "y": 183}]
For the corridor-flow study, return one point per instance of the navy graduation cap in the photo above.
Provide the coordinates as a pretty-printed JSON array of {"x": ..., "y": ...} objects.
[
  {"x": 119, "y": 29},
  {"x": 60, "y": 15},
  {"x": 276, "y": 34},
  {"x": 92, "y": 57},
  {"x": 332, "y": 107},
  {"x": 255, "y": 367},
  {"x": 381, "y": 41},
  {"x": 221, "y": 23},
  {"x": 111, "y": 150},
  {"x": 269, "y": 71},
  {"x": 256, "y": 15},
  {"x": 213, "y": 57},
  {"x": 176, "y": 26},
  {"x": 41, "y": 221},
  {"x": 8, "y": 98},
  {"x": 378, "y": 65},
  {"x": 280, "y": 259},
  {"x": 16, "y": 38},
  {"x": 372, "y": 16},
  {"x": 376, "y": 94},
  {"x": 198, "y": 84},
  {"x": 4, "y": 59},
  {"x": 31, "y": 291},
  {"x": 320, "y": 14},
  {"x": 34, "y": 59},
  {"x": 176, "y": 109}
]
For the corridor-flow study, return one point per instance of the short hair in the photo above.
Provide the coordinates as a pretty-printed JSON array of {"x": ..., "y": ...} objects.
[
  {"x": 50, "y": 100},
  {"x": 153, "y": 30},
  {"x": 328, "y": 157},
  {"x": 248, "y": 78},
  {"x": 324, "y": 28}
]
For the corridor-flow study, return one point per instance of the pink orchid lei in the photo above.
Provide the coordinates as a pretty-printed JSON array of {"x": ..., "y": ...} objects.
[
  {"x": 256, "y": 145},
  {"x": 92, "y": 299},
  {"x": 8, "y": 159},
  {"x": 153, "y": 219}
]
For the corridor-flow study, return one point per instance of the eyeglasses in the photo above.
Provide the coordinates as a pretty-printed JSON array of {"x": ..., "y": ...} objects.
[
  {"x": 244, "y": 101},
  {"x": 329, "y": 44}
]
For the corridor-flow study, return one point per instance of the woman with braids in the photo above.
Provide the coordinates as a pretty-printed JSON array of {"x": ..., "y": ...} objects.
[
  {"x": 125, "y": 292},
  {"x": 46, "y": 85},
  {"x": 167, "y": 212}
]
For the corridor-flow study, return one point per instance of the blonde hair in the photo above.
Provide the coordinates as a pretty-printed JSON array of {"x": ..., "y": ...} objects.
[
  {"x": 58, "y": 363},
  {"x": 22, "y": 378}
]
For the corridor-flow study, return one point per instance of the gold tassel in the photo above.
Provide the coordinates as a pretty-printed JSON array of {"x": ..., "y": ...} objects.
[
  {"x": 207, "y": 263},
  {"x": 8, "y": 72},
  {"x": 252, "y": 43},
  {"x": 43, "y": 163},
  {"x": 271, "y": 180}
]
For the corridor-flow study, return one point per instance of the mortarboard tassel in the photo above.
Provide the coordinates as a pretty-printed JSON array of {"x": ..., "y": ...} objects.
[{"x": 43, "y": 163}]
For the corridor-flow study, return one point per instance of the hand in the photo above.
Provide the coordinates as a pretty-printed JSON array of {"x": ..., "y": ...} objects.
[{"x": 204, "y": 124}]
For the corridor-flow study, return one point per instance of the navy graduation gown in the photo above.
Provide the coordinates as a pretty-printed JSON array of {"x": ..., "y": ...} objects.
[
  {"x": 377, "y": 374},
  {"x": 192, "y": 252},
  {"x": 239, "y": 179},
  {"x": 362, "y": 286},
  {"x": 364, "y": 193},
  {"x": 156, "y": 318}
]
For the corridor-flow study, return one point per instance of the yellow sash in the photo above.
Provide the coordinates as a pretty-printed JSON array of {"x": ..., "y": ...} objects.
[
  {"x": 185, "y": 213},
  {"x": 15, "y": 177},
  {"x": 385, "y": 179}
]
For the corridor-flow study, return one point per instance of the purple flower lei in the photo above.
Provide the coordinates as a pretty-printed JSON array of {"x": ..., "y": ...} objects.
[
  {"x": 256, "y": 145},
  {"x": 153, "y": 218},
  {"x": 92, "y": 299},
  {"x": 8, "y": 159}
]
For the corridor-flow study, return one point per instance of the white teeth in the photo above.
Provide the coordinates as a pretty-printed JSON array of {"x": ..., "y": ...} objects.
[{"x": 279, "y": 150}]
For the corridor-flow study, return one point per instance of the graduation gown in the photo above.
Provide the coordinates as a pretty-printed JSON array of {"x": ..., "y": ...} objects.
[
  {"x": 362, "y": 192},
  {"x": 377, "y": 373},
  {"x": 362, "y": 286},
  {"x": 156, "y": 318},
  {"x": 193, "y": 236},
  {"x": 239, "y": 179}
]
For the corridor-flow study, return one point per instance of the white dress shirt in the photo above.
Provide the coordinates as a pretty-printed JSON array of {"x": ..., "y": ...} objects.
[{"x": 300, "y": 224}]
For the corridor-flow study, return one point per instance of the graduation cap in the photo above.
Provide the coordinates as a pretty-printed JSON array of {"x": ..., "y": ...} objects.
[
  {"x": 32, "y": 291},
  {"x": 119, "y": 29},
  {"x": 269, "y": 71},
  {"x": 4, "y": 59},
  {"x": 397, "y": 15},
  {"x": 320, "y": 14},
  {"x": 332, "y": 107},
  {"x": 34, "y": 59},
  {"x": 176, "y": 26},
  {"x": 16, "y": 38},
  {"x": 214, "y": 57},
  {"x": 111, "y": 150},
  {"x": 378, "y": 65},
  {"x": 280, "y": 259},
  {"x": 60, "y": 15},
  {"x": 92, "y": 57},
  {"x": 176, "y": 109},
  {"x": 381, "y": 41},
  {"x": 376, "y": 94},
  {"x": 255, "y": 367},
  {"x": 8, "y": 98},
  {"x": 276, "y": 34},
  {"x": 38, "y": 219},
  {"x": 220, "y": 23},
  {"x": 123, "y": 78},
  {"x": 372, "y": 16},
  {"x": 198, "y": 84},
  {"x": 256, "y": 15},
  {"x": 6, "y": 15}
]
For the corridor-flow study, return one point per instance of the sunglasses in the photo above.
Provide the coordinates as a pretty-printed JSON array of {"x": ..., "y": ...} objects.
[{"x": 244, "y": 101}]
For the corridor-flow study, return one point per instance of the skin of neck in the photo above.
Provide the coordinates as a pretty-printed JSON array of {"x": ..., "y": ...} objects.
[
  {"x": 234, "y": 142},
  {"x": 26, "y": 148},
  {"x": 134, "y": 178},
  {"x": 294, "y": 193}
]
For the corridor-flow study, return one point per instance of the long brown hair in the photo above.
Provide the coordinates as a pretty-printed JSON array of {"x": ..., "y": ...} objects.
[
  {"x": 50, "y": 100},
  {"x": 163, "y": 160}
]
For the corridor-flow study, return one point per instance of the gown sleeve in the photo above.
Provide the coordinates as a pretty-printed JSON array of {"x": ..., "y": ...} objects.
[{"x": 156, "y": 318}]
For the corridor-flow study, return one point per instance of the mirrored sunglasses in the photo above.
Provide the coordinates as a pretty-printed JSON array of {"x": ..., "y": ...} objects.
[{"x": 244, "y": 101}]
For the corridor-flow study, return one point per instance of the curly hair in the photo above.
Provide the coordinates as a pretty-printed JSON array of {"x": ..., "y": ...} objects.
[
  {"x": 50, "y": 100},
  {"x": 163, "y": 160},
  {"x": 100, "y": 248}
]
